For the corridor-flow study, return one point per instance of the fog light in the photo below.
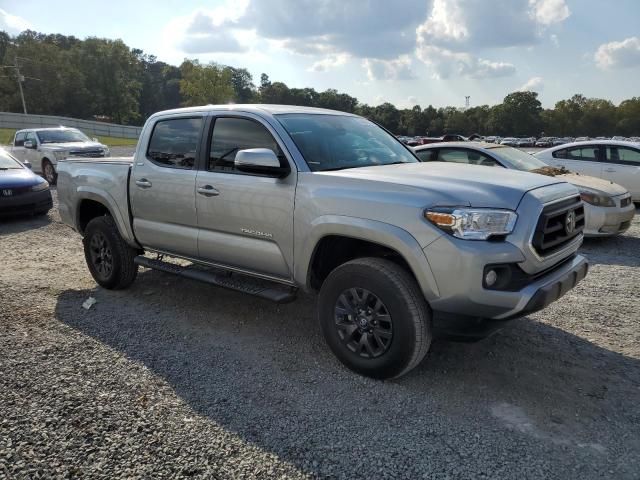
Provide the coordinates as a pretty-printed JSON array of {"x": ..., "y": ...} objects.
[{"x": 490, "y": 278}]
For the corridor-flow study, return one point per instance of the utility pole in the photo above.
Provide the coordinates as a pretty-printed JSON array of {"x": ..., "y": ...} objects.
[
  {"x": 466, "y": 101},
  {"x": 20, "y": 80}
]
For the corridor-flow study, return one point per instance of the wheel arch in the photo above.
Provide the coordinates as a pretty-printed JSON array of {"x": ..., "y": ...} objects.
[{"x": 334, "y": 240}]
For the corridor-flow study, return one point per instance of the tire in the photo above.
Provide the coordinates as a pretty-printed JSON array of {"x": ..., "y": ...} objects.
[
  {"x": 398, "y": 331},
  {"x": 49, "y": 172},
  {"x": 108, "y": 256}
]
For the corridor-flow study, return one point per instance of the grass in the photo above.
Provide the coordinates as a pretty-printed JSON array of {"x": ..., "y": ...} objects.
[{"x": 6, "y": 137}]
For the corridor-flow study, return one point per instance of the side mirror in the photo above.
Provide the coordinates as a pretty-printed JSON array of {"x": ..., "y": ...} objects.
[
  {"x": 29, "y": 144},
  {"x": 28, "y": 164},
  {"x": 260, "y": 161},
  {"x": 95, "y": 139}
]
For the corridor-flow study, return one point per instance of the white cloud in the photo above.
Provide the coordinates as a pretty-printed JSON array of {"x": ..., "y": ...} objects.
[
  {"x": 13, "y": 24},
  {"x": 446, "y": 63},
  {"x": 211, "y": 31},
  {"x": 465, "y": 25},
  {"x": 411, "y": 100},
  {"x": 329, "y": 63},
  {"x": 547, "y": 12},
  {"x": 534, "y": 84},
  {"x": 622, "y": 54},
  {"x": 397, "y": 69}
]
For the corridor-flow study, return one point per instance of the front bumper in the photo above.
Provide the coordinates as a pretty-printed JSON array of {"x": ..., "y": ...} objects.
[
  {"x": 458, "y": 267},
  {"x": 607, "y": 221},
  {"x": 26, "y": 203}
]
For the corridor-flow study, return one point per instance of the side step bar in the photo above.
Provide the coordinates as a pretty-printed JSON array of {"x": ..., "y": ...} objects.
[{"x": 238, "y": 282}]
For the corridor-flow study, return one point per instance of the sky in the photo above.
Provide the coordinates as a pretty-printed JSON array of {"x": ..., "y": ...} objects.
[{"x": 407, "y": 52}]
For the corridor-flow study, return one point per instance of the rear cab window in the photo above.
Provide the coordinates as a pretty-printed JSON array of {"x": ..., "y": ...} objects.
[{"x": 174, "y": 142}]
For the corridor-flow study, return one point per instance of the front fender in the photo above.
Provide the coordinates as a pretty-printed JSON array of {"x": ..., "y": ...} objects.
[{"x": 374, "y": 231}]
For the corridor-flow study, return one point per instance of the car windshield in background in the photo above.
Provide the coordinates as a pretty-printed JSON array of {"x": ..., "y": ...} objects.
[
  {"x": 7, "y": 162},
  {"x": 335, "y": 142},
  {"x": 61, "y": 136},
  {"x": 517, "y": 159}
]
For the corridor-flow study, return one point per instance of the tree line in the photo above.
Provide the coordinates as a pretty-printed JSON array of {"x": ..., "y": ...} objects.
[{"x": 105, "y": 79}]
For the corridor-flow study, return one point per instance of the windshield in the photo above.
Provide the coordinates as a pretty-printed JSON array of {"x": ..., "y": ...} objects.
[
  {"x": 7, "y": 162},
  {"x": 61, "y": 136},
  {"x": 517, "y": 159},
  {"x": 335, "y": 142}
]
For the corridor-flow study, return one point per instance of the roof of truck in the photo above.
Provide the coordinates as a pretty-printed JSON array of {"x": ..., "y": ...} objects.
[{"x": 256, "y": 108}]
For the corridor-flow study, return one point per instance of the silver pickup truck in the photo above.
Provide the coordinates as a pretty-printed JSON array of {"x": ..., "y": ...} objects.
[{"x": 269, "y": 200}]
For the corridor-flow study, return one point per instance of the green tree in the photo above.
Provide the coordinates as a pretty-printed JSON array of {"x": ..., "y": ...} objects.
[{"x": 205, "y": 84}]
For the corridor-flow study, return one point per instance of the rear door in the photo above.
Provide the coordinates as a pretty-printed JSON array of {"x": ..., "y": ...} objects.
[
  {"x": 162, "y": 186},
  {"x": 583, "y": 159},
  {"x": 622, "y": 166},
  {"x": 245, "y": 220}
]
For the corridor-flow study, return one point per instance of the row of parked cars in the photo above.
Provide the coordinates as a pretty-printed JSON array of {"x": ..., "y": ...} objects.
[{"x": 519, "y": 142}]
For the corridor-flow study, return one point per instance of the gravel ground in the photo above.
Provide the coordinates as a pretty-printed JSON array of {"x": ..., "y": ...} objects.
[{"x": 175, "y": 379}]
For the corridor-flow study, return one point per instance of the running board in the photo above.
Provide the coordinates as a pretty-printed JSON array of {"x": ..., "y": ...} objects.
[{"x": 240, "y": 283}]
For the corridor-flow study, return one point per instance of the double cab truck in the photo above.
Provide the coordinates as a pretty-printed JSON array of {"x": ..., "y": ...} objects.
[{"x": 271, "y": 200}]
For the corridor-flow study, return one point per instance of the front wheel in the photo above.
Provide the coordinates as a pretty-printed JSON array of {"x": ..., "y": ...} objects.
[
  {"x": 49, "y": 172},
  {"x": 375, "y": 318},
  {"x": 109, "y": 258}
]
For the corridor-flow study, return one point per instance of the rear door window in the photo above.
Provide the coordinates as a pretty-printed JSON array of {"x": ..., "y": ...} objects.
[
  {"x": 469, "y": 157},
  {"x": 586, "y": 154},
  {"x": 174, "y": 142}
]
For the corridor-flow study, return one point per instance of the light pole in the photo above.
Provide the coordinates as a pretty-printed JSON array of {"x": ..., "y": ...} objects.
[{"x": 20, "y": 80}]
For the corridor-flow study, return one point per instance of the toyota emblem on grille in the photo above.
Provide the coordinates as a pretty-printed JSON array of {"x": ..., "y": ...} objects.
[
  {"x": 570, "y": 222},
  {"x": 7, "y": 192}
]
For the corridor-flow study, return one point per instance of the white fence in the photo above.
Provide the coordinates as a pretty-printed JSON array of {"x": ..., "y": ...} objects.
[{"x": 18, "y": 121}]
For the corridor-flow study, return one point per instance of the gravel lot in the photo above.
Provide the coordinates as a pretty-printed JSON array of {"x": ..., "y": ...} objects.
[{"x": 173, "y": 379}]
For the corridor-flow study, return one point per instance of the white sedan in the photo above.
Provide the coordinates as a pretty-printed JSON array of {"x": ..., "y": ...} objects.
[
  {"x": 608, "y": 206},
  {"x": 611, "y": 160}
]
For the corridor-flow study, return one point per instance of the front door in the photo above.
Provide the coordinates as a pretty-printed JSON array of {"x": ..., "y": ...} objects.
[
  {"x": 622, "y": 166},
  {"x": 162, "y": 187},
  {"x": 245, "y": 220}
]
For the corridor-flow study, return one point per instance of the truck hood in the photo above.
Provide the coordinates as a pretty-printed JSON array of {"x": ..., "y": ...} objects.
[
  {"x": 456, "y": 184},
  {"x": 72, "y": 146},
  {"x": 604, "y": 186}
]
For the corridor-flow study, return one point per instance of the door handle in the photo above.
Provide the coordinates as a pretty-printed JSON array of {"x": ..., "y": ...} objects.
[
  {"x": 609, "y": 170},
  {"x": 208, "y": 191},
  {"x": 143, "y": 183}
]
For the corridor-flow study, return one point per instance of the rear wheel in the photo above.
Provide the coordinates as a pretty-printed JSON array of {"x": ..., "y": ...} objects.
[
  {"x": 108, "y": 256},
  {"x": 49, "y": 172},
  {"x": 375, "y": 318}
]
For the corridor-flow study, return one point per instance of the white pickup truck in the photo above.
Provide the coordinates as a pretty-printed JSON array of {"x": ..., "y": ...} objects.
[{"x": 270, "y": 199}]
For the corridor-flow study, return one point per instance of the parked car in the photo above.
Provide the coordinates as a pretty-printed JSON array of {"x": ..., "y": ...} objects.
[
  {"x": 544, "y": 142},
  {"x": 44, "y": 147},
  {"x": 21, "y": 190},
  {"x": 618, "y": 162},
  {"x": 509, "y": 141},
  {"x": 608, "y": 206},
  {"x": 582, "y": 139},
  {"x": 560, "y": 141},
  {"x": 287, "y": 198}
]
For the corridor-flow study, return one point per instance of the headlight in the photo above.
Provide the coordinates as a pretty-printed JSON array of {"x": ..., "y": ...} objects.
[
  {"x": 597, "y": 198},
  {"x": 40, "y": 186},
  {"x": 472, "y": 223},
  {"x": 61, "y": 155}
]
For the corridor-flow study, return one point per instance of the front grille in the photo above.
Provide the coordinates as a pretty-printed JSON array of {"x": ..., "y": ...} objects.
[
  {"x": 13, "y": 192},
  {"x": 554, "y": 230},
  {"x": 625, "y": 202},
  {"x": 87, "y": 153}
]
